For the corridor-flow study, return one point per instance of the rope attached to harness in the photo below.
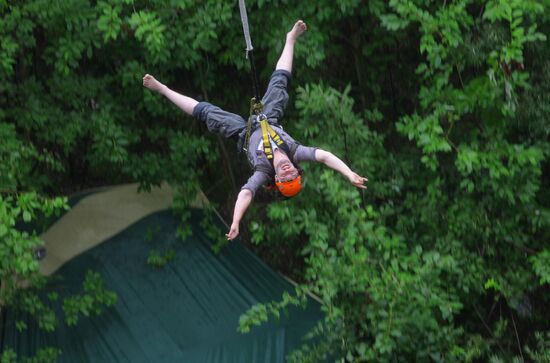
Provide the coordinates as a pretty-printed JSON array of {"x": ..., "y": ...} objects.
[
  {"x": 256, "y": 106},
  {"x": 244, "y": 20},
  {"x": 249, "y": 49}
]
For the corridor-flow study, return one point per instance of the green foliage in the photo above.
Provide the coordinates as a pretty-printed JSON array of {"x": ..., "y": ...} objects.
[
  {"x": 259, "y": 313},
  {"x": 160, "y": 259},
  {"x": 540, "y": 354},
  {"x": 541, "y": 265},
  {"x": 402, "y": 265},
  {"x": 22, "y": 214},
  {"x": 92, "y": 301},
  {"x": 17, "y": 253},
  {"x": 212, "y": 229},
  {"x": 443, "y": 105},
  {"x": 44, "y": 355}
]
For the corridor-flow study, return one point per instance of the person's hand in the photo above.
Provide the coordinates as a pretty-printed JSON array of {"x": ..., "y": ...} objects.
[
  {"x": 357, "y": 180},
  {"x": 233, "y": 231}
]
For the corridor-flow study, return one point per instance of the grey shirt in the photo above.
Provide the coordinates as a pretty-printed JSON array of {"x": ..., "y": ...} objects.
[{"x": 258, "y": 157}]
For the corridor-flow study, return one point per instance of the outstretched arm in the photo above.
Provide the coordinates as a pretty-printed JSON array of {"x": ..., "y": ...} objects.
[
  {"x": 242, "y": 203},
  {"x": 333, "y": 162}
]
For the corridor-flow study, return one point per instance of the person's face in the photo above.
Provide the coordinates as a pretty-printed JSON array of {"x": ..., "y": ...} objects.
[{"x": 285, "y": 170}]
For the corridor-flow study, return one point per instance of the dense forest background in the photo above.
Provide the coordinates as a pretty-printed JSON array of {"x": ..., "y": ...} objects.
[{"x": 443, "y": 105}]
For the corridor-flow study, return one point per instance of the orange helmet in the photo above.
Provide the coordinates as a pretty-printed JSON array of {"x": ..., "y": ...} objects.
[{"x": 291, "y": 187}]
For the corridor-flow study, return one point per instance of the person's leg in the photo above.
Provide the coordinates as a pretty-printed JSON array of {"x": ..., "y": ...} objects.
[
  {"x": 285, "y": 61},
  {"x": 218, "y": 121},
  {"x": 186, "y": 104},
  {"x": 276, "y": 96}
]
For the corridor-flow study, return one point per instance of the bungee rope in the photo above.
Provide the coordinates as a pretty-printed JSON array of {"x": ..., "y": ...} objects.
[
  {"x": 256, "y": 106},
  {"x": 244, "y": 20}
]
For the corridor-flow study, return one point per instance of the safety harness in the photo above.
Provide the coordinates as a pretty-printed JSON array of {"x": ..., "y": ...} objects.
[{"x": 267, "y": 133}]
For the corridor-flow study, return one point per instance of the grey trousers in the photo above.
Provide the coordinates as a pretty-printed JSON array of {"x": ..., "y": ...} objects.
[{"x": 229, "y": 125}]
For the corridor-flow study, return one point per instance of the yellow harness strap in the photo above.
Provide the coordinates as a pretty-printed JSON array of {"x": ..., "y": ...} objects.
[{"x": 268, "y": 131}]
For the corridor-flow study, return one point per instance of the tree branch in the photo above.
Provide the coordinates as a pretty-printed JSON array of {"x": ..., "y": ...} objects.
[{"x": 517, "y": 335}]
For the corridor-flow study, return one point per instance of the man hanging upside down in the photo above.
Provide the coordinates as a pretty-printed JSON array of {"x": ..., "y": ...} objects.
[{"x": 283, "y": 151}]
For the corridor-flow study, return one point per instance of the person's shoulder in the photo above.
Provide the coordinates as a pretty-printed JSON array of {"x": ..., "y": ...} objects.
[
  {"x": 305, "y": 153},
  {"x": 262, "y": 170},
  {"x": 257, "y": 180}
]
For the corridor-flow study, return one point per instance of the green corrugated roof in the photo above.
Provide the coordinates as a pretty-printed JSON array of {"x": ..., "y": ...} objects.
[{"x": 187, "y": 311}]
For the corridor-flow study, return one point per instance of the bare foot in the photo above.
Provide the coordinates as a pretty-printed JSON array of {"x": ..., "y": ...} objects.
[
  {"x": 298, "y": 29},
  {"x": 150, "y": 82}
]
